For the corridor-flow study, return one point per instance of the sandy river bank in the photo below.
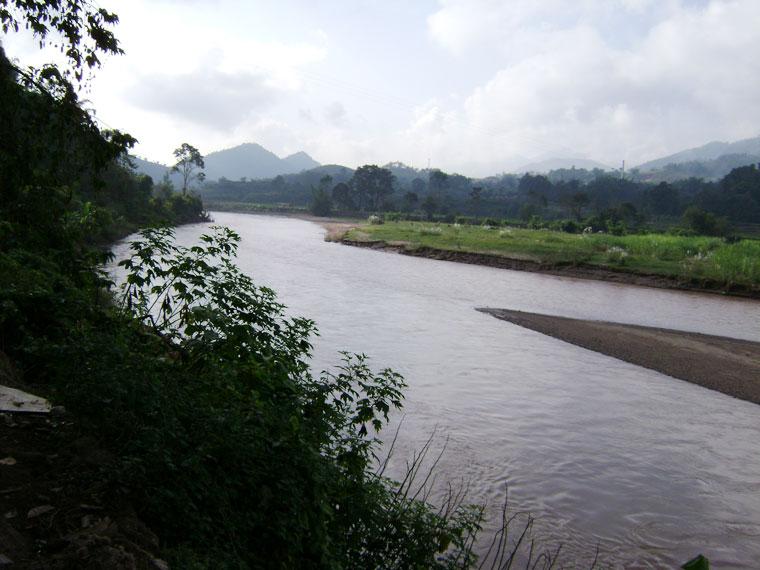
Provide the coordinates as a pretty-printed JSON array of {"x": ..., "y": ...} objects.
[{"x": 728, "y": 365}]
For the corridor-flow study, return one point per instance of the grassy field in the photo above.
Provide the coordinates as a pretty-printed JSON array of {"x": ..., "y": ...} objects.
[{"x": 703, "y": 258}]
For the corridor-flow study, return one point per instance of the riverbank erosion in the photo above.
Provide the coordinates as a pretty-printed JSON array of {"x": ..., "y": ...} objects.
[
  {"x": 728, "y": 365},
  {"x": 562, "y": 269}
]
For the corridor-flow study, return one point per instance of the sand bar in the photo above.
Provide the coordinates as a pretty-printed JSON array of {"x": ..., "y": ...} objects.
[{"x": 728, "y": 365}]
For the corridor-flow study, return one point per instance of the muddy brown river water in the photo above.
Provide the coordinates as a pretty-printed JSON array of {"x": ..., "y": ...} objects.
[{"x": 652, "y": 469}]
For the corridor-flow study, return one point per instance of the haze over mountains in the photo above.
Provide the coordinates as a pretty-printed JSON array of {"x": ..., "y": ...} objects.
[
  {"x": 550, "y": 164},
  {"x": 249, "y": 160},
  {"x": 252, "y": 161},
  {"x": 710, "y": 151}
]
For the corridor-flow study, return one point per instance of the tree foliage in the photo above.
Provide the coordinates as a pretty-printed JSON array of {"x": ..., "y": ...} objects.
[
  {"x": 270, "y": 465},
  {"x": 79, "y": 29},
  {"x": 189, "y": 164},
  {"x": 371, "y": 184}
]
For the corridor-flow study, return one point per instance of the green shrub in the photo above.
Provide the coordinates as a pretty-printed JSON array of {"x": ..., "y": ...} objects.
[{"x": 233, "y": 448}]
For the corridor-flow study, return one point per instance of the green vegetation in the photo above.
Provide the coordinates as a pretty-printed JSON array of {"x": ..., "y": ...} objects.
[
  {"x": 612, "y": 202},
  {"x": 685, "y": 257},
  {"x": 192, "y": 379},
  {"x": 251, "y": 207},
  {"x": 189, "y": 165}
]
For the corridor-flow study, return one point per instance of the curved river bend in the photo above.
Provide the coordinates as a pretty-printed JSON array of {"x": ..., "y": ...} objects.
[{"x": 652, "y": 469}]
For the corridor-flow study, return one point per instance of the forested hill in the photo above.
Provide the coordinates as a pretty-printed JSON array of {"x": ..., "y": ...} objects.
[
  {"x": 596, "y": 198},
  {"x": 708, "y": 152},
  {"x": 711, "y": 161}
]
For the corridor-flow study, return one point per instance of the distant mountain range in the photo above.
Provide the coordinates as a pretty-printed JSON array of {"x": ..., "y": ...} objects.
[
  {"x": 253, "y": 162},
  {"x": 247, "y": 160},
  {"x": 550, "y": 164},
  {"x": 709, "y": 152}
]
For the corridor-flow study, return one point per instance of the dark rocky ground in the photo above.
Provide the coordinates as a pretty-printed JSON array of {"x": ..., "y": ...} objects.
[{"x": 56, "y": 509}]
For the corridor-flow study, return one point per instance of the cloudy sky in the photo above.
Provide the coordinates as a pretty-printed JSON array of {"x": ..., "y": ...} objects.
[{"x": 475, "y": 86}]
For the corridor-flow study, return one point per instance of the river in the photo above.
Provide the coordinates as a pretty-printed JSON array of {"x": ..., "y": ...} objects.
[{"x": 651, "y": 469}]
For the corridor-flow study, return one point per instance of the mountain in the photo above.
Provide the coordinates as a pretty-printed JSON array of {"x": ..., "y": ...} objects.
[
  {"x": 713, "y": 169},
  {"x": 710, "y": 151},
  {"x": 247, "y": 160},
  {"x": 550, "y": 164},
  {"x": 294, "y": 188},
  {"x": 154, "y": 169},
  {"x": 298, "y": 162}
]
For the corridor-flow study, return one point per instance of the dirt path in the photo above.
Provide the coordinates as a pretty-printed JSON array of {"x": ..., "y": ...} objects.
[{"x": 731, "y": 366}]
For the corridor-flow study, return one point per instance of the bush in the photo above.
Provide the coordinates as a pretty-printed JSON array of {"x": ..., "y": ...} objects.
[
  {"x": 570, "y": 227},
  {"x": 704, "y": 223},
  {"x": 234, "y": 450},
  {"x": 321, "y": 203}
]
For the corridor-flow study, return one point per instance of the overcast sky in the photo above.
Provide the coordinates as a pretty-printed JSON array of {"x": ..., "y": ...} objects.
[{"x": 475, "y": 86}]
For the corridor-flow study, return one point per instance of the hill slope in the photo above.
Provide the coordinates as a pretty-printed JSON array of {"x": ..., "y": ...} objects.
[
  {"x": 247, "y": 160},
  {"x": 710, "y": 151}
]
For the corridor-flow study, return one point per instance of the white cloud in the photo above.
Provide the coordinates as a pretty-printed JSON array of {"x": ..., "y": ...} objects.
[
  {"x": 207, "y": 97},
  {"x": 477, "y": 86},
  {"x": 693, "y": 75}
]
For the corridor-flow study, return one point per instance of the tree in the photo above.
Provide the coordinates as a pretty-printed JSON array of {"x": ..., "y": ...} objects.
[
  {"x": 663, "y": 200},
  {"x": 430, "y": 205},
  {"x": 165, "y": 188},
  {"x": 83, "y": 29},
  {"x": 535, "y": 185},
  {"x": 189, "y": 164},
  {"x": 411, "y": 199},
  {"x": 418, "y": 186},
  {"x": 371, "y": 184},
  {"x": 325, "y": 182},
  {"x": 702, "y": 222},
  {"x": 437, "y": 182},
  {"x": 321, "y": 203},
  {"x": 575, "y": 203},
  {"x": 341, "y": 195}
]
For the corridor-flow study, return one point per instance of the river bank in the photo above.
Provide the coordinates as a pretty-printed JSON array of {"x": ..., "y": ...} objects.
[
  {"x": 518, "y": 403},
  {"x": 576, "y": 270},
  {"x": 728, "y": 365}
]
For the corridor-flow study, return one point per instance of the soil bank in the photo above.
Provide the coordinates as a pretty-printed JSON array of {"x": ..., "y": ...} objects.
[{"x": 728, "y": 365}]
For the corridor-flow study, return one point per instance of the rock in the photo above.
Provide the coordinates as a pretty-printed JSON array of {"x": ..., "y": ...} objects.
[
  {"x": 58, "y": 411},
  {"x": 38, "y": 511},
  {"x": 17, "y": 401},
  {"x": 8, "y": 461},
  {"x": 11, "y": 514},
  {"x": 159, "y": 564},
  {"x": 5, "y": 562}
]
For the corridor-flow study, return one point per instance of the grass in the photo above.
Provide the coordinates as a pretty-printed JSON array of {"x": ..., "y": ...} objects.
[{"x": 698, "y": 257}]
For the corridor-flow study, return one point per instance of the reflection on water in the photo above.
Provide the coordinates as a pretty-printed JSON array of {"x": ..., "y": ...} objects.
[{"x": 653, "y": 469}]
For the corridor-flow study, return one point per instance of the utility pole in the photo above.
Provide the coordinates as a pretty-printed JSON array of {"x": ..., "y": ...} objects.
[{"x": 622, "y": 170}]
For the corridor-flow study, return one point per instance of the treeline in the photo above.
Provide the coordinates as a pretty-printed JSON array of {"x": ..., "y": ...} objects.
[
  {"x": 568, "y": 194},
  {"x": 57, "y": 165}
]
